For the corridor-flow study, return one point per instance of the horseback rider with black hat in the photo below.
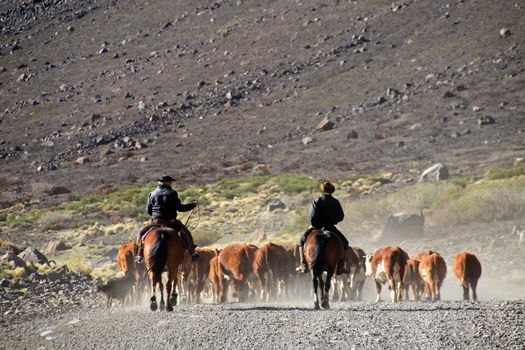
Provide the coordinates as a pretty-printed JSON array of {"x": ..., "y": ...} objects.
[
  {"x": 326, "y": 211},
  {"x": 163, "y": 204}
]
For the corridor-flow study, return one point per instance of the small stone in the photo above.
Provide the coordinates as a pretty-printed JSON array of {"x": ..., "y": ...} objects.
[
  {"x": 70, "y": 29},
  {"x": 102, "y": 51},
  {"x": 504, "y": 32},
  {"x": 307, "y": 140},
  {"x": 141, "y": 106},
  {"x": 22, "y": 77},
  {"x": 448, "y": 94},
  {"x": 325, "y": 125},
  {"x": 277, "y": 204},
  {"x": 352, "y": 134},
  {"x": 486, "y": 120}
]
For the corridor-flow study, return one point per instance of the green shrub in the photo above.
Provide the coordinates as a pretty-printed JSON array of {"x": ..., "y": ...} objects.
[
  {"x": 503, "y": 173},
  {"x": 293, "y": 183},
  {"x": 235, "y": 187},
  {"x": 191, "y": 194}
]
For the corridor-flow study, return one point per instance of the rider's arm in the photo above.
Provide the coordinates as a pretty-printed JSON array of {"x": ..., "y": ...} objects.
[{"x": 182, "y": 207}]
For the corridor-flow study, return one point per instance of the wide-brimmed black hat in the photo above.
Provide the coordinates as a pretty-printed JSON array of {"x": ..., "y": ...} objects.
[{"x": 166, "y": 178}]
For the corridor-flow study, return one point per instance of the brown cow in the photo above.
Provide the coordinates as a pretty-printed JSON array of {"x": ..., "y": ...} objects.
[
  {"x": 200, "y": 271},
  {"x": 236, "y": 263},
  {"x": 271, "y": 265},
  {"x": 413, "y": 280},
  {"x": 388, "y": 265},
  {"x": 127, "y": 264},
  {"x": 433, "y": 271},
  {"x": 422, "y": 254},
  {"x": 468, "y": 271}
]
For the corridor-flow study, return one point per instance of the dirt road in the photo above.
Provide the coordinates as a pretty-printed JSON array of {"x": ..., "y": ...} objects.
[{"x": 348, "y": 325}]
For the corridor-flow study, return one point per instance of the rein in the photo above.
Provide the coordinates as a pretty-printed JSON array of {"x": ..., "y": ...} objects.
[{"x": 198, "y": 217}]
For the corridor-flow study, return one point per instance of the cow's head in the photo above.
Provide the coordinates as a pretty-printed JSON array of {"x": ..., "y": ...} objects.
[{"x": 368, "y": 264}]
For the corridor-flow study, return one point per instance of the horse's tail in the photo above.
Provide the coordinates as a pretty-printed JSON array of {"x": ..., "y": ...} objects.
[
  {"x": 158, "y": 255},
  {"x": 319, "y": 254}
]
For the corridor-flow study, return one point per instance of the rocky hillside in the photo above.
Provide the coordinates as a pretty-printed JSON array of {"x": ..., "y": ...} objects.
[{"x": 97, "y": 92}]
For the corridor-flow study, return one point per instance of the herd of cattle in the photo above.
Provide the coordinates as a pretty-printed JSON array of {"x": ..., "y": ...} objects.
[{"x": 269, "y": 273}]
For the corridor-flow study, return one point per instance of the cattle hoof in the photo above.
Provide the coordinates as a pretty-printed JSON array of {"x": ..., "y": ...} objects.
[{"x": 153, "y": 306}]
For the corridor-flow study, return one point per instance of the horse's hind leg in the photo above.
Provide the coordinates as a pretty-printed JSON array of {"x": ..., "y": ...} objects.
[
  {"x": 169, "y": 288},
  {"x": 162, "y": 304},
  {"x": 315, "y": 284},
  {"x": 153, "y": 300},
  {"x": 326, "y": 293}
]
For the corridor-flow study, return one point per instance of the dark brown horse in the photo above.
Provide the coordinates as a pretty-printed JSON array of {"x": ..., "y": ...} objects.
[
  {"x": 322, "y": 251},
  {"x": 163, "y": 250}
]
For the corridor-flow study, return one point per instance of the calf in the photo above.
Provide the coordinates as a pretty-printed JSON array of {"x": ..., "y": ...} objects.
[
  {"x": 468, "y": 271},
  {"x": 387, "y": 265},
  {"x": 433, "y": 271},
  {"x": 214, "y": 279},
  {"x": 413, "y": 280},
  {"x": 117, "y": 288},
  {"x": 271, "y": 265},
  {"x": 344, "y": 282},
  {"x": 358, "y": 275},
  {"x": 235, "y": 262}
]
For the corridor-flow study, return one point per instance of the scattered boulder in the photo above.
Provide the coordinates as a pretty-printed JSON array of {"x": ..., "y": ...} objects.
[
  {"x": 55, "y": 246},
  {"x": 56, "y": 190},
  {"x": 486, "y": 120},
  {"x": 277, "y": 204},
  {"x": 33, "y": 255},
  {"x": 82, "y": 160},
  {"x": 403, "y": 225},
  {"x": 325, "y": 125},
  {"x": 437, "y": 171},
  {"x": 352, "y": 134},
  {"x": 12, "y": 260}
]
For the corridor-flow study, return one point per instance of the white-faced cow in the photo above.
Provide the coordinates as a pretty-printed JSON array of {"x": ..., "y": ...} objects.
[{"x": 387, "y": 265}]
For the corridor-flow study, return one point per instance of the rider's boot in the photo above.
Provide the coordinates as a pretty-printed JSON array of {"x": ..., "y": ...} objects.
[
  {"x": 303, "y": 266},
  {"x": 139, "y": 250},
  {"x": 341, "y": 266}
]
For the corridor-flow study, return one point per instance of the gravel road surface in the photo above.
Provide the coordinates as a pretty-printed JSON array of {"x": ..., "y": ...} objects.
[{"x": 348, "y": 325}]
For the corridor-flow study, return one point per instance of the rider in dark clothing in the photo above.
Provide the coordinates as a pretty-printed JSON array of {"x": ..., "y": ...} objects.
[
  {"x": 326, "y": 211},
  {"x": 163, "y": 204}
]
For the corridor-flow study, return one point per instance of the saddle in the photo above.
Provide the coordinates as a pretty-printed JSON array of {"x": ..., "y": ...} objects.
[{"x": 180, "y": 233}]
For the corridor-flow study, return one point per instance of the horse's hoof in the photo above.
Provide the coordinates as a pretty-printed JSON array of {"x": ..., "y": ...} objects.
[
  {"x": 153, "y": 306},
  {"x": 169, "y": 308},
  {"x": 326, "y": 306},
  {"x": 174, "y": 299},
  {"x": 316, "y": 306},
  {"x": 162, "y": 306}
]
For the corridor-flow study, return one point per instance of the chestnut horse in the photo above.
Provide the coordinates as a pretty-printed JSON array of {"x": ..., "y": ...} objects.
[
  {"x": 322, "y": 251},
  {"x": 163, "y": 250}
]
